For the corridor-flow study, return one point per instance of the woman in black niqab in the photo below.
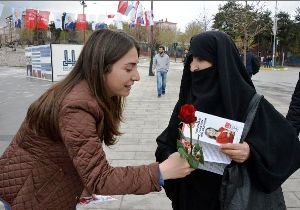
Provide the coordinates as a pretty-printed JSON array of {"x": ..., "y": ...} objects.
[{"x": 225, "y": 90}]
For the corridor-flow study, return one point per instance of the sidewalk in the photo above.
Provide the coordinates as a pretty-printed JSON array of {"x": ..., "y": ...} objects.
[{"x": 146, "y": 116}]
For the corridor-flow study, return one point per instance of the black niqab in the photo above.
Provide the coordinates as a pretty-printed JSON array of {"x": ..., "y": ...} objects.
[{"x": 230, "y": 86}]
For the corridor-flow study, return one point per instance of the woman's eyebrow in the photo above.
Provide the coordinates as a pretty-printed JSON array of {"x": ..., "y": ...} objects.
[{"x": 131, "y": 63}]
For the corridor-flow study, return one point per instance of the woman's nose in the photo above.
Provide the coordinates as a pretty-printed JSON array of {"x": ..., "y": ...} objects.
[
  {"x": 192, "y": 66},
  {"x": 136, "y": 76}
]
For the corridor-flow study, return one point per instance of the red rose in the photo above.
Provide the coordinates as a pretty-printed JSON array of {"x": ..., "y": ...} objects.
[{"x": 187, "y": 114}]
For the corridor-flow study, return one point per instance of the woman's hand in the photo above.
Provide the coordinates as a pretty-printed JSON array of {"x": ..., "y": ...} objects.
[
  {"x": 237, "y": 152},
  {"x": 174, "y": 167}
]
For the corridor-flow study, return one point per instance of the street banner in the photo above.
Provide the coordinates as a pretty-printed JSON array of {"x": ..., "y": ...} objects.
[
  {"x": 122, "y": 7},
  {"x": 43, "y": 20},
  {"x": 70, "y": 21},
  {"x": 81, "y": 22},
  {"x": 140, "y": 15},
  {"x": 57, "y": 19},
  {"x": 17, "y": 17},
  {"x": 129, "y": 8},
  {"x": 30, "y": 18},
  {"x": 1, "y": 9},
  {"x": 148, "y": 18}
]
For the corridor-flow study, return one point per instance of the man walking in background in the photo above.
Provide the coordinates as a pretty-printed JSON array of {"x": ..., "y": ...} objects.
[
  {"x": 185, "y": 54},
  {"x": 161, "y": 63},
  {"x": 252, "y": 63}
]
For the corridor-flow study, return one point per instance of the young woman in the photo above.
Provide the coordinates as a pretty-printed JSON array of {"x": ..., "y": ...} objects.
[
  {"x": 215, "y": 81},
  {"x": 58, "y": 149}
]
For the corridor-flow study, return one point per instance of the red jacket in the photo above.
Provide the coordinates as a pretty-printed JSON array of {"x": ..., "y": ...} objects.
[
  {"x": 224, "y": 138},
  {"x": 39, "y": 173}
]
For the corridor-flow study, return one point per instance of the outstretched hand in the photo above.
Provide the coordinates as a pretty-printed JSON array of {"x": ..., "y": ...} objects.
[
  {"x": 175, "y": 167},
  {"x": 237, "y": 152}
]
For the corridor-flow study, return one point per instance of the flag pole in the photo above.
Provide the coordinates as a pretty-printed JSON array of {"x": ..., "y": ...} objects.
[
  {"x": 151, "y": 43},
  {"x": 274, "y": 34}
]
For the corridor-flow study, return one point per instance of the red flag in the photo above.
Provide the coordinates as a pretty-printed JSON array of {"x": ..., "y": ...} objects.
[
  {"x": 30, "y": 18},
  {"x": 43, "y": 19},
  {"x": 122, "y": 7},
  {"x": 110, "y": 16},
  {"x": 146, "y": 19},
  {"x": 81, "y": 22}
]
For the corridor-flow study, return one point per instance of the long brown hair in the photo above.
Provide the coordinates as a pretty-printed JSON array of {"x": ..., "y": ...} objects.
[{"x": 103, "y": 48}]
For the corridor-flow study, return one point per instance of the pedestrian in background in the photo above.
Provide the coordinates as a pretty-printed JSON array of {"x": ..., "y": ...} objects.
[
  {"x": 216, "y": 82},
  {"x": 161, "y": 64},
  {"x": 269, "y": 61},
  {"x": 293, "y": 114},
  {"x": 58, "y": 150},
  {"x": 185, "y": 54},
  {"x": 252, "y": 63}
]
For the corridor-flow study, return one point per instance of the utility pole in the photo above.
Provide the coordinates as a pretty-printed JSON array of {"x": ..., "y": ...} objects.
[
  {"x": 274, "y": 33},
  {"x": 151, "y": 43},
  {"x": 10, "y": 19},
  {"x": 83, "y": 6},
  {"x": 204, "y": 17}
]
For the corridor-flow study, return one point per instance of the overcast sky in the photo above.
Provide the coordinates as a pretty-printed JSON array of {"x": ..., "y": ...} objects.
[{"x": 180, "y": 12}]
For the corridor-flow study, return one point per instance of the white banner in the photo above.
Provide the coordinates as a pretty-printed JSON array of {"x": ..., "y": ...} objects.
[
  {"x": 64, "y": 57},
  {"x": 1, "y": 9}
]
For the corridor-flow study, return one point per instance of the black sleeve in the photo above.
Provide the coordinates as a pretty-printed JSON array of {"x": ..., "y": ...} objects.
[
  {"x": 273, "y": 144},
  {"x": 166, "y": 145},
  {"x": 293, "y": 115},
  {"x": 166, "y": 141}
]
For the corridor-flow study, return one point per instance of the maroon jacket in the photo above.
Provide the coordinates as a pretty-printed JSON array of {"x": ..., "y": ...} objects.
[{"x": 37, "y": 172}]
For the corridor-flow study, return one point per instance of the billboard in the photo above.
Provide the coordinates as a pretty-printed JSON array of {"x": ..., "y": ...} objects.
[
  {"x": 38, "y": 60},
  {"x": 51, "y": 62}
]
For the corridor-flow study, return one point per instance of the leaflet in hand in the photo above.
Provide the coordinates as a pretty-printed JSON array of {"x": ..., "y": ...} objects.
[
  {"x": 94, "y": 201},
  {"x": 210, "y": 131}
]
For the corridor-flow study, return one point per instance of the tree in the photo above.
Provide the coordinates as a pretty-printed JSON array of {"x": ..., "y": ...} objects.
[
  {"x": 295, "y": 48},
  {"x": 193, "y": 28},
  {"x": 263, "y": 40},
  {"x": 182, "y": 40},
  {"x": 225, "y": 19},
  {"x": 166, "y": 36},
  {"x": 242, "y": 21},
  {"x": 297, "y": 16},
  {"x": 55, "y": 33},
  {"x": 284, "y": 35}
]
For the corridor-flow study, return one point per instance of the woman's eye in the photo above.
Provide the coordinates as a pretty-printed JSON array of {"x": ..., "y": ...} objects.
[{"x": 128, "y": 70}]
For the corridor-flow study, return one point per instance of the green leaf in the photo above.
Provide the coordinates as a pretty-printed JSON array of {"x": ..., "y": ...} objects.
[
  {"x": 194, "y": 163},
  {"x": 181, "y": 133},
  {"x": 183, "y": 153}
]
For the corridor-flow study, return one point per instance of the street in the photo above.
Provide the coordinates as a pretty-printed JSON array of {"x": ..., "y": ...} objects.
[{"x": 146, "y": 116}]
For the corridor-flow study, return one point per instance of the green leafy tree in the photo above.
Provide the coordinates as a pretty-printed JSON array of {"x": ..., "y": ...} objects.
[
  {"x": 285, "y": 36},
  {"x": 295, "y": 48},
  {"x": 241, "y": 21},
  {"x": 263, "y": 40},
  {"x": 226, "y": 19}
]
